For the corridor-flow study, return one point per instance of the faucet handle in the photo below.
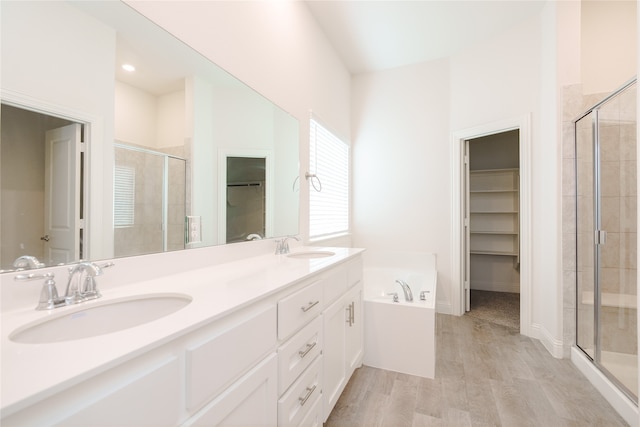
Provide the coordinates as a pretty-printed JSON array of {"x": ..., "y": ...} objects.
[
  {"x": 395, "y": 296},
  {"x": 423, "y": 295},
  {"x": 49, "y": 295}
]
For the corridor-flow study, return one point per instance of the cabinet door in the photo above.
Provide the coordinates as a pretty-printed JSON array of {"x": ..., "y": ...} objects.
[
  {"x": 334, "y": 376},
  {"x": 354, "y": 331},
  {"x": 251, "y": 401}
]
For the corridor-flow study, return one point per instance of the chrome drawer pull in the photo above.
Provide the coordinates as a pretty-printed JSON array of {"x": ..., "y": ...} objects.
[
  {"x": 310, "y": 391},
  {"x": 310, "y": 306},
  {"x": 303, "y": 353}
]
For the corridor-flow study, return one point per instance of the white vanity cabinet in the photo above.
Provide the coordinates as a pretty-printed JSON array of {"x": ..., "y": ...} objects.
[
  {"x": 343, "y": 329},
  {"x": 281, "y": 359}
]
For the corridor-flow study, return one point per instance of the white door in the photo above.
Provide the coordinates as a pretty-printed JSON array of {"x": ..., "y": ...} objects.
[
  {"x": 467, "y": 234},
  {"x": 62, "y": 194}
]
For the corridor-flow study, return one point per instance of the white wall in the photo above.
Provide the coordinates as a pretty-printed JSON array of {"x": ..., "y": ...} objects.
[
  {"x": 276, "y": 48},
  {"x": 400, "y": 134},
  {"x": 402, "y": 121}
]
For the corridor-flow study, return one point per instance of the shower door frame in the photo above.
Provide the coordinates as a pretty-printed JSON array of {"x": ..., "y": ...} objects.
[{"x": 599, "y": 239}]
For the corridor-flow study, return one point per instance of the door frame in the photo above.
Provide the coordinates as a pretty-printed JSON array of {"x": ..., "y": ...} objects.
[
  {"x": 98, "y": 176},
  {"x": 458, "y": 256}
]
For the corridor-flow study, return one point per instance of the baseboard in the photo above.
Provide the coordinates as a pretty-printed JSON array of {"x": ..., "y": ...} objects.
[
  {"x": 553, "y": 346},
  {"x": 479, "y": 285},
  {"x": 443, "y": 308},
  {"x": 621, "y": 403}
]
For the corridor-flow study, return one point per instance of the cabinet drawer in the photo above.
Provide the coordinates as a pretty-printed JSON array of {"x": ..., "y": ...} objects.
[
  {"x": 314, "y": 416},
  {"x": 213, "y": 364},
  {"x": 298, "y": 309},
  {"x": 296, "y": 354},
  {"x": 299, "y": 399}
]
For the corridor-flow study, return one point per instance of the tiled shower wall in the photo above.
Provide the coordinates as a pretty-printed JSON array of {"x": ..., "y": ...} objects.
[{"x": 618, "y": 169}]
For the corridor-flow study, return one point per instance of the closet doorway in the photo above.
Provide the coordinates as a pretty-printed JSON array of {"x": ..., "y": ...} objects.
[
  {"x": 492, "y": 171},
  {"x": 460, "y": 238}
]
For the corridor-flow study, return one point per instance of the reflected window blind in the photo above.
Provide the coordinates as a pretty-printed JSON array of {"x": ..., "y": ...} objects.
[
  {"x": 329, "y": 161},
  {"x": 124, "y": 185}
]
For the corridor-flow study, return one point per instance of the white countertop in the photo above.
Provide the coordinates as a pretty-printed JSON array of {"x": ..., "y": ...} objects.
[{"x": 31, "y": 372}]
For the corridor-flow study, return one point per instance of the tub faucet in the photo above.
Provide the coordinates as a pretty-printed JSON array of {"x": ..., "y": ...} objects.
[{"x": 408, "y": 295}]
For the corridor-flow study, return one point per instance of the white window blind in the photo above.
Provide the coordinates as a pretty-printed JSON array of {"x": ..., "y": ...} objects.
[
  {"x": 329, "y": 161},
  {"x": 124, "y": 184}
]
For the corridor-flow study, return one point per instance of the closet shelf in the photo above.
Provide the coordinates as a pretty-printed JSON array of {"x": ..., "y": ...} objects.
[
  {"x": 495, "y": 212},
  {"x": 489, "y": 252},
  {"x": 493, "y": 191},
  {"x": 504, "y": 233}
]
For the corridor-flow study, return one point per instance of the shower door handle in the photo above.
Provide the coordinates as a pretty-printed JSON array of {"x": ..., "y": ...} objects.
[{"x": 601, "y": 237}]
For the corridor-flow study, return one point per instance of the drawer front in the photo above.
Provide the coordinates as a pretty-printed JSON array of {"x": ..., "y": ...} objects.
[
  {"x": 214, "y": 363},
  {"x": 296, "y": 355},
  {"x": 354, "y": 271},
  {"x": 314, "y": 417},
  {"x": 298, "y": 309},
  {"x": 335, "y": 284},
  {"x": 296, "y": 403}
]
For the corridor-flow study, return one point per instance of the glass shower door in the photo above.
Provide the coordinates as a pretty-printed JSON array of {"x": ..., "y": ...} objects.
[{"x": 606, "y": 197}]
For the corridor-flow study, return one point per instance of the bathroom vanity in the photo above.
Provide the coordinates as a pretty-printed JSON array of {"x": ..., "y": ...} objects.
[{"x": 265, "y": 340}]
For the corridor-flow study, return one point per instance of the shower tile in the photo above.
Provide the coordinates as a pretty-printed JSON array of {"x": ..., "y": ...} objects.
[
  {"x": 568, "y": 140},
  {"x": 628, "y": 141},
  {"x": 584, "y": 184},
  {"x": 628, "y": 250},
  {"x": 610, "y": 178},
  {"x": 568, "y": 177},
  {"x": 629, "y": 281},
  {"x": 569, "y": 215},
  {"x": 628, "y": 178},
  {"x": 609, "y": 143},
  {"x": 568, "y": 251},
  {"x": 610, "y": 213},
  {"x": 610, "y": 252},
  {"x": 610, "y": 280},
  {"x": 569, "y": 289},
  {"x": 628, "y": 214},
  {"x": 571, "y": 102},
  {"x": 585, "y": 250}
]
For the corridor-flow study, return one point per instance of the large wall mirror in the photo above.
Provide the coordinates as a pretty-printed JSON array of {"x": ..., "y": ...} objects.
[{"x": 99, "y": 162}]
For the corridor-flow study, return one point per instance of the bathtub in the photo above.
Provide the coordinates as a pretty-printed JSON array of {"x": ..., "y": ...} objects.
[{"x": 400, "y": 336}]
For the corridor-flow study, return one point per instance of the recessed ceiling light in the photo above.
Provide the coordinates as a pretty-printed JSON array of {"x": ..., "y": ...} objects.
[{"x": 128, "y": 67}]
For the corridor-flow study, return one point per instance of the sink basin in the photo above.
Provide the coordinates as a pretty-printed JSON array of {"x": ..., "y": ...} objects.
[
  {"x": 100, "y": 319},
  {"x": 311, "y": 254}
]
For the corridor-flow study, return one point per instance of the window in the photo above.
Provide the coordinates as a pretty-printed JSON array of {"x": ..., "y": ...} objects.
[
  {"x": 329, "y": 189},
  {"x": 124, "y": 184}
]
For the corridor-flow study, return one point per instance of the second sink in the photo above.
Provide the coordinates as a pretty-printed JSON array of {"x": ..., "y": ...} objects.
[{"x": 101, "y": 319}]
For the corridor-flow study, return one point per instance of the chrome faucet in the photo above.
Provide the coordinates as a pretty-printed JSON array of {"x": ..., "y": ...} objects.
[
  {"x": 26, "y": 262},
  {"x": 282, "y": 246},
  {"x": 254, "y": 236},
  {"x": 408, "y": 295},
  {"x": 77, "y": 291}
]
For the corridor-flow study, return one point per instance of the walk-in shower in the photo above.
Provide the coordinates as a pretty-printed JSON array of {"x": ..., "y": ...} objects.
[
  {"x": 606, "y": 226},
  {"x": 149, "y": 201}
]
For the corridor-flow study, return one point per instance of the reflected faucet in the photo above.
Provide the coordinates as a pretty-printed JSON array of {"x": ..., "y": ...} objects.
[
  {"x": 78, "y": 291},
  {"x": 254, "y": 236},
  {"x": 408, "y": 295},
  {"x": 282, "y": 246},
  {"x": 26, "y": 262}
]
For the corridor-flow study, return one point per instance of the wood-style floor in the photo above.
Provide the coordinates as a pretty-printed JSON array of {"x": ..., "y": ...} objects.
[{"x": 486, "y": 375}]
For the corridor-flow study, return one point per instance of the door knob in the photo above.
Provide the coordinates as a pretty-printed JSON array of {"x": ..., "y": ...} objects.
[{"x": 45, "y": 238}]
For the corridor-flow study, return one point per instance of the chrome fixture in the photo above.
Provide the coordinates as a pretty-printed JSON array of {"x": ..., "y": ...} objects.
[
  {"x": 395, "y": 296},
  {"x": 408, "y": 295},
  {"x": 254, "y": 236},
  {"x": 77, "y": 290},
  {"x": 26, "y": 262},
  {"x": 423, "y": 295},
  {"x": 282, "y": 246}
]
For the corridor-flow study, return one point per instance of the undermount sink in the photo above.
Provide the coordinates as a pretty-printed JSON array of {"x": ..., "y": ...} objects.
[
  {"x": 101, "y": 319},
  {"x": 311, "y": 254}
]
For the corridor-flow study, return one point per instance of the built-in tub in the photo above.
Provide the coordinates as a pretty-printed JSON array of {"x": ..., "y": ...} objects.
[{"x": 400, "y": 336}]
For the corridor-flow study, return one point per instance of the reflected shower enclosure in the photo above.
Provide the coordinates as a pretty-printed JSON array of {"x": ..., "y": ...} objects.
[
  {"x": 149, "y": 201},
  {"x": 606, "y": 272}
]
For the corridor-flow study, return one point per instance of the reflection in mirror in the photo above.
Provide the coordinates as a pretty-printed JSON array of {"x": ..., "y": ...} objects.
[{"x": 168, "y": 126}]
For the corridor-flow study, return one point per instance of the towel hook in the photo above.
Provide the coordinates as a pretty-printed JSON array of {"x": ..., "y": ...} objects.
[{"x": 309, "y": 177}]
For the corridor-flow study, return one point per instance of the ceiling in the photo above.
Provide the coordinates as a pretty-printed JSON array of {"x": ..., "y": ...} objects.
[{"x": 377, "y": 35}]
